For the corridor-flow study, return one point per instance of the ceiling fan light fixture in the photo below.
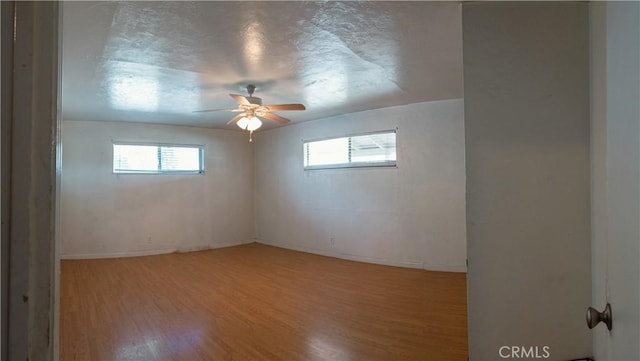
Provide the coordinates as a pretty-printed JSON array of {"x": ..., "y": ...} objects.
[
  {"x": 249, "y": 124},
  {"x": 250, "y": 108}
]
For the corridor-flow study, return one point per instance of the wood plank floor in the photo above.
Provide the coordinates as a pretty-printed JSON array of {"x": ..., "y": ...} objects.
[{"x": 256, "y": 302}]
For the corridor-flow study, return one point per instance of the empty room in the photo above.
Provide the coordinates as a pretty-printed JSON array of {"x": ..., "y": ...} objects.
[
  {"x": 333, "y": 180},
  {"x": 333, "y": 229}
]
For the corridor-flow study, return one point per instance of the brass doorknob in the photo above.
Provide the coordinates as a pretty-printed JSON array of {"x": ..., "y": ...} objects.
[{"x": 594, "y": 317}]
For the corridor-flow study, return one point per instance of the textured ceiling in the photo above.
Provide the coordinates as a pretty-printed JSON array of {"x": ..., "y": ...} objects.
[{"x": 160, "y": 61}]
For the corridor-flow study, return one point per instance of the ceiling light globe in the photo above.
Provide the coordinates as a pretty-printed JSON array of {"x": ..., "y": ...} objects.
[
  {"x": 253, "y": 123},
  {"x": 243, "y": 123}
]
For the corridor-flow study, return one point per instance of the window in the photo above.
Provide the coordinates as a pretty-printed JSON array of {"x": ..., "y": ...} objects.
[
  {"x": 157, "y": 158},
  {"x": 365, "y": 150}
]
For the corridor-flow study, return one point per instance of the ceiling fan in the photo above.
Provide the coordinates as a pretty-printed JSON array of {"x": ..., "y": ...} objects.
[{"x": 251, "y": 109}]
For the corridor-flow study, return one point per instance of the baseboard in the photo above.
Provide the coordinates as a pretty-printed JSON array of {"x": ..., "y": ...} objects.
[
  {"x": 152, "y": 252},
  {"x": 444, "y": 268},
  {"x": 350, "y": 257}
]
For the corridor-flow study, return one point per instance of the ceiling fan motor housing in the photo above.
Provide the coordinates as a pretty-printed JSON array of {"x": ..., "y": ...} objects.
[{"x": 254, "y": 100}]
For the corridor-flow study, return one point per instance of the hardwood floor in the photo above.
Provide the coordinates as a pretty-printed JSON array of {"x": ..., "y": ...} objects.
[{"x": 256, "y": 302}]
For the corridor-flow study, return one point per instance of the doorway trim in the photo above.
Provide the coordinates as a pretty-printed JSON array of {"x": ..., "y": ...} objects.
[{"x": 33, "y": 277}]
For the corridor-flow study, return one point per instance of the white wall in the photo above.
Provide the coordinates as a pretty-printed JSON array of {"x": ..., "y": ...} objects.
[
  {"x": 105, "y": 214},
  {"x": 412, "y": 215},
  {"x": 527, "y": 154}
]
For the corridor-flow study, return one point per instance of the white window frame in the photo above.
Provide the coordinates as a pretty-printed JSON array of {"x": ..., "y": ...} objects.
[
  {"x": 200, "y": 148},
  {"x": 380, "y": 164}
]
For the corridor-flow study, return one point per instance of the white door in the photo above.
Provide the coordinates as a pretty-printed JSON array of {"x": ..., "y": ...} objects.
[
  {"x": 526, "y": 90},
  {"x": 615, "y": 99}
]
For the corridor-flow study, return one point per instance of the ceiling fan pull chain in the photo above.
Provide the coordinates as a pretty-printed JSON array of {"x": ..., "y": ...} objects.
[{"x": 250, "y": 136}]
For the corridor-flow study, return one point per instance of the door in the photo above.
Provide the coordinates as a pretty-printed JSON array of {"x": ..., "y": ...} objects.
[
  {"x": 615, "y": 110},
  {"x": 526, "y": 95}
]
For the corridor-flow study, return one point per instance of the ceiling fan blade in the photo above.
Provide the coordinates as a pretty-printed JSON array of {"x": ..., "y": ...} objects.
[
  {"x": 278, "y": 107},
  {"x": 236, "y": 118},
  {"x": 217, "y": 110},
  {"x": 276, "y": 118},
  {"x": 240, "y": 99}
]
